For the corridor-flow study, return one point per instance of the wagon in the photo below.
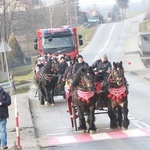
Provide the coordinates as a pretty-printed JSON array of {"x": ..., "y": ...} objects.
[
  {"x": 72, "y": 109},
  {"x": 59, "y": 90}
]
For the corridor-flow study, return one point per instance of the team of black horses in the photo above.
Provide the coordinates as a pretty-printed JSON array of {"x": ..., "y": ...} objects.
[{"x": 87, "y": 95}]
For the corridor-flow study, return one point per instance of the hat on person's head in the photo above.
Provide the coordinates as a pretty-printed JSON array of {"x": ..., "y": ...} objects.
[
  {"x": 62, "y": 58},
  {"x": 59, "y": 56},
  {"x": 79, "y": 56},
  {"x": 104, "y": 56}
]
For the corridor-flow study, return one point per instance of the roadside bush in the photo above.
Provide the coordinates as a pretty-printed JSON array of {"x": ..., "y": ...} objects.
[{"x": 15, "y": 57}]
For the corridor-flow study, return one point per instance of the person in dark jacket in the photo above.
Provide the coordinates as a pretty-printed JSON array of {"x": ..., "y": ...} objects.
[
  {"x": 48, "y": 57},
  {"x": 63, "y": 65},
  {"x": 102, "y": 66},
  {"x": 5, "y": 101},
  {"x": 38, "y": 66},
  {"x": 80, "y": 63}
]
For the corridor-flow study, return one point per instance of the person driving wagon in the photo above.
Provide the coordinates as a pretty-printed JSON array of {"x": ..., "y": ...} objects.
[
  {"x": 80, "y": 63},
  {"x": 102, "y": 66}
]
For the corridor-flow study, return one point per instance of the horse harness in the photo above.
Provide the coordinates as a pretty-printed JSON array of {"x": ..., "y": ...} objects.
[{"x": 48, "y": 77}]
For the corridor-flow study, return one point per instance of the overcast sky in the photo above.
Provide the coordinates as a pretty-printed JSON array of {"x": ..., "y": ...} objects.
[
  {"x": 84, "y": 3},
  {"x": 90, "y": 3}
]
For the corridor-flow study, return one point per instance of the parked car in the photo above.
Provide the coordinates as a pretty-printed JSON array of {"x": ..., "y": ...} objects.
[{"x": 93, "y": 20}]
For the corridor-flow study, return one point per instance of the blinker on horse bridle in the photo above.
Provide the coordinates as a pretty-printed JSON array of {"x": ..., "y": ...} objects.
[
  {"x": 83, "y": 83},
  {"x": 116, "y": 73}
]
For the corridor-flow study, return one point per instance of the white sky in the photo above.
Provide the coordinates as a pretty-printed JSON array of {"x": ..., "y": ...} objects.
[
  {"x": 104, "y": 2},
  {"x": 88, "y": 3}
]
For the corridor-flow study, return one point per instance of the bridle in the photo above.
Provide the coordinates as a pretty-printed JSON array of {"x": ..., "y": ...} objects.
[
  {"x": 87, "y": 81},
  {"x": 117, "y": 75}
]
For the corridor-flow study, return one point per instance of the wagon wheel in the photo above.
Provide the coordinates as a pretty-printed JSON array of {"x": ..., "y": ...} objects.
[
  {"x": 69, "y": 101},
  {"x": 41, "y": 98},
  {"x": 74, "y": 116}
]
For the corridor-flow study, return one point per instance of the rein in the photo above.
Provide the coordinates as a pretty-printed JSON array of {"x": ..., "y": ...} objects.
[{"x": 48, "y": 76}]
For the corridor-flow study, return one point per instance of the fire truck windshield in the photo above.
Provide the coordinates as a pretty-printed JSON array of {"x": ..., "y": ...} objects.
[{"x": 57, "y": 42}]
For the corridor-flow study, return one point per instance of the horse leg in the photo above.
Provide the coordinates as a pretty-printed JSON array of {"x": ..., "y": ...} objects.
[
  {"x": 125, "y": 115},
  {"x": 91, "y": 118},
  {"x": 48, "y": 98},
  {"x": 52, "y": 96},
  {"x": 82, "y": 124},
  {"x": 112, "y": 116},
  {"x": 119, "y": 117}
]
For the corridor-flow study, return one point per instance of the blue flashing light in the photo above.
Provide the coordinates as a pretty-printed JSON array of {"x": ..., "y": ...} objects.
[
  {"x": 68, "y": 30},
  {"x": 45, "y": 31}
]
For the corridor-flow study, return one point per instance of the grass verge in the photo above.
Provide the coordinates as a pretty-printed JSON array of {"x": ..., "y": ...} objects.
[
  {"x": 87, "y": 34},
  {"x": 23, "y": 89},
  {"x": 144, "y": 26}
]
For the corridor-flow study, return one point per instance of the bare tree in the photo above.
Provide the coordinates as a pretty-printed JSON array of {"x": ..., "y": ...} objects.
[{"x": 6, "y": 18}]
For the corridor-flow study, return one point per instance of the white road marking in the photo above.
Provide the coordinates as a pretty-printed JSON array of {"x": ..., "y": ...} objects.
[
  {"x": 94, "y": 37},
  {"x": 98, "y": 55},
  {"x": 53, "y": 134},
  {"x": 144, "y": 124}
]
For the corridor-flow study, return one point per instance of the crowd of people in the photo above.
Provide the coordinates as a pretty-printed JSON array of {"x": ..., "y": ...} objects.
[{"x": 100, "y": 66}]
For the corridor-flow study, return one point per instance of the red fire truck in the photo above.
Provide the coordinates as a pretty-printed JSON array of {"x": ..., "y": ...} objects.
[{"x": 63, "y": 40}]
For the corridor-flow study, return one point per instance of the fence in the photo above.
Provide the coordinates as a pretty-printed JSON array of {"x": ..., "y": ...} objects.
[{"x": 8, "y": 86}]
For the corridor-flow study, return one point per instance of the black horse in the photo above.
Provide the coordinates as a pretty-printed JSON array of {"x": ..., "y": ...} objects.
[
  {"x": 47, "y": 82},
  {"x": 116, "y": 97},
  {"x": 83, "y": 94}
]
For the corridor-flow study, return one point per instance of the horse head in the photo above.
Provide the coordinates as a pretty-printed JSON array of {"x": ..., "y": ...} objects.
[
  {"x": 55, "y": 66},
  {"x": 48, "y": 68},
  {"x": 118, "y": 73},
  {"x": 84, "y": 79}
]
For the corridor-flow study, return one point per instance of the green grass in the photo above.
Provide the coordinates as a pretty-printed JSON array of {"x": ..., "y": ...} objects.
[
  {"x": 22, "y": 90},
  {"x": 134, "y": 14},
  {"x": 87, "y": 34},
  {"x": 22, "y": 71},
  {"x": 144, "y": 26},
  {"x": 23, "y": 78}
]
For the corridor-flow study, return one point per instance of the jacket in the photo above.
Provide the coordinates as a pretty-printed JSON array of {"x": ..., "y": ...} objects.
[
  {"x": 63, "y": 67},
  {"x": 79, "y": 65},
  {"x": 5, "y": 99},
  {"x": 103, "y": 66}
]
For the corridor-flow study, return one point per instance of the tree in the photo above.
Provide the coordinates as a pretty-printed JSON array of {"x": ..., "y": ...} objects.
[
  {"x": 123, "y": 4},
  {"x": 82, "y": 17},
  {"x": 15, "y": 57},
  {"x": 6, "y": 18}
]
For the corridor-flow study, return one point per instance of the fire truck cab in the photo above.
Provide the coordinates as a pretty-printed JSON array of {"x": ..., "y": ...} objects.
[{"x": 63, "y": 40}]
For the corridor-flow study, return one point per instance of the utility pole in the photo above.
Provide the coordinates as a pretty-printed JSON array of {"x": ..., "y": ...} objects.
[
  {"x": 75, "y": 12},
  {"x": 4, "y": 19},
  {"x": 67, "y": 12}
]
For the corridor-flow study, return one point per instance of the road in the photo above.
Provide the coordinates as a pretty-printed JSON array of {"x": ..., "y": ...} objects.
[{"x": 53, "y": 126}]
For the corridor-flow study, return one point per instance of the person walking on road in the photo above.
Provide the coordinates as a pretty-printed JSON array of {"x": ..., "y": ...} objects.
[{"x": 5, "y": 101}]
